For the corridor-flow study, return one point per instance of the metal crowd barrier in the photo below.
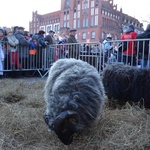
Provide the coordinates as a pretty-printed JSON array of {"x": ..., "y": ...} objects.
[{"x": 41, "y": 59}]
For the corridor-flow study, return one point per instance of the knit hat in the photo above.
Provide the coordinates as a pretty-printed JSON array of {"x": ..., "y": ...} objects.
[
  {"x": 109, "y": 36},
  {"x": 130, "y": 28},
  {"x": 41, "y": 32},
  {"x": 51, "y": 31}
]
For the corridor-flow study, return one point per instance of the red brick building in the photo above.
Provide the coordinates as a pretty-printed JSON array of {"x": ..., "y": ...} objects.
[{"x": 93, "y": 19}]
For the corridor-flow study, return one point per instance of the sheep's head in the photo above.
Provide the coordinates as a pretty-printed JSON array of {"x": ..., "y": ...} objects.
[{"x": 64, "y": 126}]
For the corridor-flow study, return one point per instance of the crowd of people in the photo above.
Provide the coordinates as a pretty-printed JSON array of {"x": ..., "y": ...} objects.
[
  {"x": 18, "y": 48},
  {"x": 131, "y": 49}
]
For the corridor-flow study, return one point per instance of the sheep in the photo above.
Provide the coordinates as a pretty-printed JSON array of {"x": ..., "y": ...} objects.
[
  {"x": 127, "y": 83},
  {"x": 74, "y": 95}
]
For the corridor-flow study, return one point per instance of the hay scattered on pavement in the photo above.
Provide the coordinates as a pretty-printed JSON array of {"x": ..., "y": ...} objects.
[{"x": 22, "y": 125}]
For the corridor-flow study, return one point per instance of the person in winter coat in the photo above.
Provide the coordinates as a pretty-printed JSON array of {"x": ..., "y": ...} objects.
[
  {"x": 1, "y": 62},
  {"x": 129, "y": 54},
  {"x": 74, "y": 48},
  {"x": 108, "y": 48},
  {"x": 24, "y": 46},
  {"x": 145, "y": 58},
  {"x": 4, "y": 63},
  {"x": 41, "y": 45},
  {"x": 50, "y": 38},
  {"x": 13, "y": 51}
]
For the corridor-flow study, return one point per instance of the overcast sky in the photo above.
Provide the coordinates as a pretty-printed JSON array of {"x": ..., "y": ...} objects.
[{"x": 19, "y": 12}]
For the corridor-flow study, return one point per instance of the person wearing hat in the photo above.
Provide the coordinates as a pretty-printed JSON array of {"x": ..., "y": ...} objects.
[
  {"x": 50, "y": 38},
  {"x": 40, "y": 39},
  {"x": 13, "y": 50},
  {"x": 27, "y": 36},
  {"x": 41, "y": 32},
  {"x": 129, "y": 52},
  {"x": 107, "y": 47},
  {"x": 74, "y": 48},
  {"x": 4, "y": 60},
  {"x": 23, "y": 48},
  {"x": 41, "y": 44},
  {"x": 15, "y": 29}
]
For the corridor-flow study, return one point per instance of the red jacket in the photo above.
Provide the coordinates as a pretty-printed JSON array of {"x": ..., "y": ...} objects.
[{"x": 127, "y": 36}]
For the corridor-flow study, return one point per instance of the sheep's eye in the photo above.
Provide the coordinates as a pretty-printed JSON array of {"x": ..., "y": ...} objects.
[{"x": 77, "y": 100}]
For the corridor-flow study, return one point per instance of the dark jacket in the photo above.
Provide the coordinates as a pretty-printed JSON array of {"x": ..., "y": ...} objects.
[
  {"x": 74, "y": 48},
  {"x": 22, "y": 40},
  {"x": 24, "y": 45},
  {"x": 41, "y": 41},
  {"x": 145, "y": 43},
  {"x": 49, "y": 39}
]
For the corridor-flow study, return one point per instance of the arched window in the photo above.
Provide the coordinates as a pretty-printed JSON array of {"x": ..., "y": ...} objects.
[
  {"x": 93, "y": 35},
  {"x": 84, "y": 36}
]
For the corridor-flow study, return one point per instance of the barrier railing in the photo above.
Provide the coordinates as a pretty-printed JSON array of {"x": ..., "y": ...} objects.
[{"x": 41, "y": 59}]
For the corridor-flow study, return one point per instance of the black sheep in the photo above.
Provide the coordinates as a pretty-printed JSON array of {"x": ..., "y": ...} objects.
[{"x": 126, "y": 83}]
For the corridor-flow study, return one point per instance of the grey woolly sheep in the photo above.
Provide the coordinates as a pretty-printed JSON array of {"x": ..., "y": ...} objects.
[
  {"x": 126, "y": 83},
  {"x": 74, "y": 94}
]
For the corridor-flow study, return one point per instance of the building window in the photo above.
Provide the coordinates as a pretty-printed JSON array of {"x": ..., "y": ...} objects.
[
  {"x": 92, "y": 3},
  {"x": 85, "y": 22},
  {"x": 55, "y": 28},
  {"x": 92, "y": 20},
  {"x": 68, "y": 17},
  {"x": 92, "y": 11},
  {"x": 78, "y": 23},
  {"x": 65, "y": 24},
  {"x": 84, "y": 36},
  {"x": 75, "y": 15},
  {"x": 65, "y": 17},
  {"x": 78, "y": 14},
  {"x": 96, "y": 20},
  {"x": 78, "y": 6},
  {"x": 74, "y": 23},
  {"x": 96, "y": 11},
  {"x": 93, "y": 35}
]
